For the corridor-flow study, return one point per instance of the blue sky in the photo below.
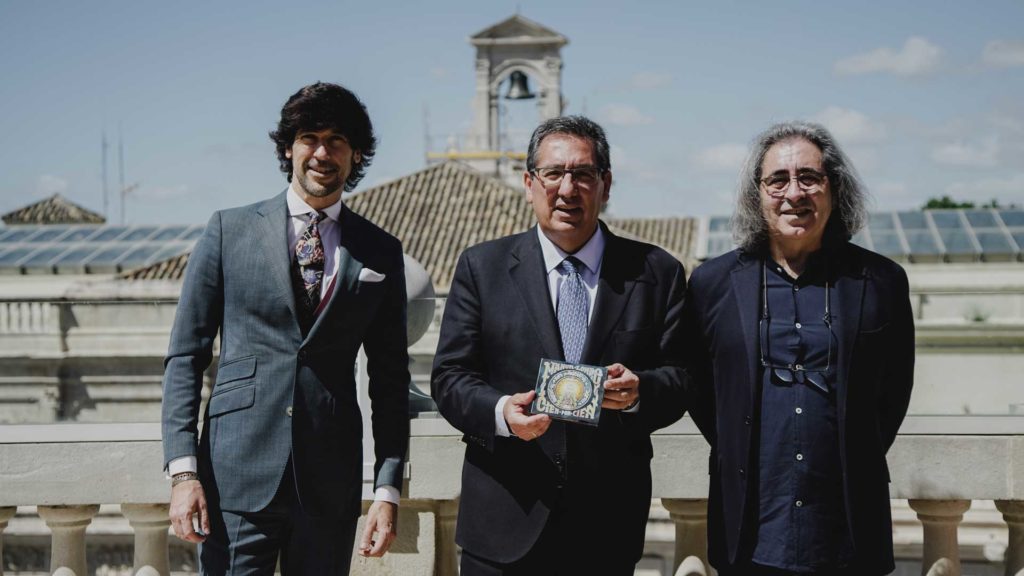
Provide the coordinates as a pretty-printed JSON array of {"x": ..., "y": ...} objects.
[{"x": 927, "y": 97}]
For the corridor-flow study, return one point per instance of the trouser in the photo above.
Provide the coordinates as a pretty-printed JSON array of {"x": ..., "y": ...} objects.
[
  {"x": 249, "y": 543},
  {"x": 562, "y": 548},
  {"x": 752, "y": 569}
]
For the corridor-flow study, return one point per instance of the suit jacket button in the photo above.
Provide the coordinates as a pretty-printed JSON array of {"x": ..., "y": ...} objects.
[
  {"x": 746, "y": 420},
  {"x": 288, "y": 411},
  {"x": 302, "y": 354},
  {"x": 742, "y": 471}
]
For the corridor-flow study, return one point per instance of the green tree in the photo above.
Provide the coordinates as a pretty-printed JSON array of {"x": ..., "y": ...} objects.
[{"x": 945, "y": 202}]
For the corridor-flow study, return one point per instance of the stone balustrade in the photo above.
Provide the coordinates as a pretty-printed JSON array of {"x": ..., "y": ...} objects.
[{"x": 939, "y": 463}]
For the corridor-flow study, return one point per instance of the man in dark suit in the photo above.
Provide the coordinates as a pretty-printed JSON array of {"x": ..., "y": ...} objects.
[
  {"x": 542, "y": 496},
  {"x": 294, "y": 285},
  {"x": 801, "y": 357}
]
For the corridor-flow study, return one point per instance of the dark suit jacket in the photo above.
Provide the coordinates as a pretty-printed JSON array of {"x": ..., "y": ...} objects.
[
  {"x": 498, "y": 324},
  {"x": 279, "y": 394},
  {"x": 874, "y": 327}
]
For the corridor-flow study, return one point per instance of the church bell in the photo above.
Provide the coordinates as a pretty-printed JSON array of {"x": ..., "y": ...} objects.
[{"x": 519, "y": 87}]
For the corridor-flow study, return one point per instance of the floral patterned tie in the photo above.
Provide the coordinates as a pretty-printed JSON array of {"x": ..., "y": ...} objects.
[{"x": 309, "y": 255}]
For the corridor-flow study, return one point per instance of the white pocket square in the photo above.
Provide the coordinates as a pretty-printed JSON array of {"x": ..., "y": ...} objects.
[{"x": 367, "y": 275}]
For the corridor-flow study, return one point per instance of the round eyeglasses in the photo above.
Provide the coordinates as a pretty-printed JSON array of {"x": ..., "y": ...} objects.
[{"x": 807, "y": 180}]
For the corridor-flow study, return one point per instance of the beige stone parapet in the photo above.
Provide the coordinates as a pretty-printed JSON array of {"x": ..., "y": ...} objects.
[
  {"x": 1013, "y": 514},
  {"x": 6, "y": 514},
  {"x": 68, "y": 524},
  {"x": 67, "y": 469}
]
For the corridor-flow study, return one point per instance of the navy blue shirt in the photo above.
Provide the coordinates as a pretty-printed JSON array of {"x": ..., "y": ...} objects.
[{"x": 802, "y": 524}]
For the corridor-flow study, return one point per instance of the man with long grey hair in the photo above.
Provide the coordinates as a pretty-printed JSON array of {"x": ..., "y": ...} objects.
[{"x": 802, "y": 365}]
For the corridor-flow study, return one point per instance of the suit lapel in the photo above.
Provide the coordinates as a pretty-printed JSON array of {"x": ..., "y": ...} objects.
[
  {"x": 618, "y": 277},
  {"x": 273, "y": 239},
  {"x": 526, "y": 267},
  {"x": 849, "y": 298},
  {"x": 746, "y": 284},
  {"x": 349, "y": 266}
]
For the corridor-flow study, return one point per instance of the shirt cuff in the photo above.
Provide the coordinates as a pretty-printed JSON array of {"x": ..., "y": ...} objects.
[
  {"x": 183, "y": 464},
  {"x": 633, "y": 409},
  {"x": 387, "y": 494},
  {"x": 500, "y": 426}
]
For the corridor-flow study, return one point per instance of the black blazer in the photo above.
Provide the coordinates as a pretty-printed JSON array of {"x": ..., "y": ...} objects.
[
  {"x": 874, "y": 327},
  {"x": 498, "y": 324}
]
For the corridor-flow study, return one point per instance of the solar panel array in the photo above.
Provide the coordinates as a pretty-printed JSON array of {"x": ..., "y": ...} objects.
[
  {"x": 90, "y": 249},
  {"x": 975, "y": 235}
]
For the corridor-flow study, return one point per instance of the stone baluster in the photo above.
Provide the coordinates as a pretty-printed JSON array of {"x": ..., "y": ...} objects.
[
  {"x": 150, "y": 523},
  {"x": 67, "y": 548},
  {"x": 940, "y": 519},
  {"x": 6, "y": 513},
  {"x": 1013, "y": 514},
  {"x": 446, "y": 559},
  {"x": 691, "y": 520}
]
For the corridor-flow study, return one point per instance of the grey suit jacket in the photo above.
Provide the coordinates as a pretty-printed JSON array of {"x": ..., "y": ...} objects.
[{"x": 279, "y": 395}]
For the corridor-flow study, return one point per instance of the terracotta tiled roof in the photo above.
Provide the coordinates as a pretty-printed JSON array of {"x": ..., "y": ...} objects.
[
  {"x": 54, "y": 210},
  {"x": 440, "y": 211},
  {"x": 677, "y": 235},
  {"x": 171, "y": 269}
]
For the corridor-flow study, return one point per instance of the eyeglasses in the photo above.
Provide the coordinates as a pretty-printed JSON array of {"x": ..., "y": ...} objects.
[
  {"x": 809, "y": 181},
  {"x": 581, "y": 175},
  {"x": 786, "y": 372}
]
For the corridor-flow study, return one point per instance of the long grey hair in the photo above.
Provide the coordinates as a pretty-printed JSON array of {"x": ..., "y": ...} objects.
[{"x": 849, "y": 197}]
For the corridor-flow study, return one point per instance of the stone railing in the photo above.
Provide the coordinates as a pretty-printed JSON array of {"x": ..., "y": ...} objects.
[{"x": 939, "y": 463}]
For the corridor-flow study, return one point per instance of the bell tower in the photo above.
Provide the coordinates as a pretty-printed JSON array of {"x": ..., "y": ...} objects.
[{"x": 509, "y": 55}]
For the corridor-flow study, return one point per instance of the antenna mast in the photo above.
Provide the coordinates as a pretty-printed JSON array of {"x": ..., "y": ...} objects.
[
  {"x": 103, "y": 173},
  {"x": 120, "y": 169}
]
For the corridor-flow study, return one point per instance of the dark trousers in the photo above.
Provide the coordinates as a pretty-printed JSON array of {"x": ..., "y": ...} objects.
[
  {"x": 243, "y": 543},
  {"x": 563, "y": 548},
  {"x": 752, "y": 569}
]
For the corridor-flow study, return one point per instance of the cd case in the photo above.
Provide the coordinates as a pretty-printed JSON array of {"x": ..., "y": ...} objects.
[{"x": 569, "y": 392}]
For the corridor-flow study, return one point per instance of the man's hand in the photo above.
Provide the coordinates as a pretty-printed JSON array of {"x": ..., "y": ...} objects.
[
  {"x": 380, "y": 530},
  {"x": 188, "y": 499},
  {"x": 522, "y": 424},
  {"x": 621, "y": 389}
]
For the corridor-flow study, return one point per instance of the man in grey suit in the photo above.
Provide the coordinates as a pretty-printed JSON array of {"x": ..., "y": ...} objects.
[{"x": 294, "y": 285}]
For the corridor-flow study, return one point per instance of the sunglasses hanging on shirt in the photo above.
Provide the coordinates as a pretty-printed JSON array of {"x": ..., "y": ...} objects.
[{"x": 789, "y": 372}]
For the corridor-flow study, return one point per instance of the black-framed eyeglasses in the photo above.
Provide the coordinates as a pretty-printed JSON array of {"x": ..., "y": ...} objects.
[
  {"x": 581, "y": 175},
  {"x": 809, "y": 181},
  {"x": 785, "y": 372}
]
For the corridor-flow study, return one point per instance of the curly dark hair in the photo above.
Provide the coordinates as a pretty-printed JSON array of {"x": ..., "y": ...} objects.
[{"x": 323, "y": 106}]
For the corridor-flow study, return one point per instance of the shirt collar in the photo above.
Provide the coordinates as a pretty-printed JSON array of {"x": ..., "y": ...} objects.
[
  {"x": 298, "y": 207},
  {"x": 590, "y": 254}
]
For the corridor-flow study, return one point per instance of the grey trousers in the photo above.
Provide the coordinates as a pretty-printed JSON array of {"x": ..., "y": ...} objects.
[{"x": 249, "y": 544}]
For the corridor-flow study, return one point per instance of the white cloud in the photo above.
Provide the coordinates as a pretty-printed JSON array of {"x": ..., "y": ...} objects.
[
  {"x": 48, "y": 185},
  {"x": 850, "y": 126},
  {"x": 626, "y": 166},
  {"x": 1004, "y": 53},
  {"x": 1009, "y": 189},
  {"x": 918, "y": 56},
  {"x": 650, "y": 80},
  {"x": 721, "y": 158},
  {"x": 624, "y": 115},
  {"x": 978, "y": 154}
]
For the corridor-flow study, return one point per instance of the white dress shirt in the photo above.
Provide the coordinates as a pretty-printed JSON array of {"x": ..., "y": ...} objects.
[
  {"x": 590, "y": 255},
  {"x": 330, "y": 237}
]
